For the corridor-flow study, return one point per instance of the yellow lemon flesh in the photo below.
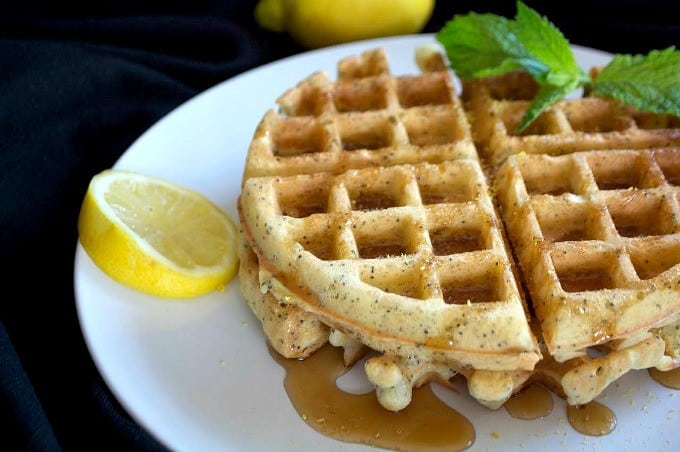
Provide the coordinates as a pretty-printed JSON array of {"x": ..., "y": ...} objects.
[
  {"x": 319, "y": 23},
  {"x": 156, "y": 236}
]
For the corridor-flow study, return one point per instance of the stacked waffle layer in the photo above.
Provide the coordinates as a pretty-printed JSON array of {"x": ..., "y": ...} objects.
[{"x": 370, "y": 221}]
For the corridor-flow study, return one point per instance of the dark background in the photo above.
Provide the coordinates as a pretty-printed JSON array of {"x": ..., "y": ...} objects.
[{"x": 78, "y": 83}]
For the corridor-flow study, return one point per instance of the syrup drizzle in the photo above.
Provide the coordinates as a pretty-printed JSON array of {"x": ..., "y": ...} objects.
[
  {"x": 534, "y": 402},
  {"x": 669, "y": 378},
  {"x": 426, "y": 424},
  {"x": 592, "y": 418}
]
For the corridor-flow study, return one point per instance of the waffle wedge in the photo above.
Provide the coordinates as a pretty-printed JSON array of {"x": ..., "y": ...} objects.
[
  {"x": 365, "y": 202},
  {"x": 597, "y": 235},
  {"x": 412, "y": 264},
  {"x": 367, "y": 117},
  {"x": 497, "y": 104}
]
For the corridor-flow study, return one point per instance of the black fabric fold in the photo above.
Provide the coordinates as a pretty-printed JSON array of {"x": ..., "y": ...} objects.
[{"x": 20, "y": 409}]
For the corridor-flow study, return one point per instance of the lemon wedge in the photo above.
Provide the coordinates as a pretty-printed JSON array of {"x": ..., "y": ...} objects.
[{"x": 156, "y": 236}]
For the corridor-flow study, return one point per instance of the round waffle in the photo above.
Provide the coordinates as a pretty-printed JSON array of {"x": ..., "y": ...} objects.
[{"x": 368, "y": 214}]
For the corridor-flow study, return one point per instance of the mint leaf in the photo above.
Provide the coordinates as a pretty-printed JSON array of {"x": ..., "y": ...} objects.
[
  {"x": 546, "y": 96},
  {"x": 547, "y": 45},
  {"x": 648, "y": 82},
  {"x": 481, "y": 45}
]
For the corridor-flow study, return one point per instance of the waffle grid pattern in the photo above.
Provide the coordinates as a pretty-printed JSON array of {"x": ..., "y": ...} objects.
[
  {"x": 424, "y": 239},
  {"x": 597, "y": 235},
  {"x": 571, "y": 125},
  {"x": 366, "y": 118},
  {"x": 436, "y": 212}
]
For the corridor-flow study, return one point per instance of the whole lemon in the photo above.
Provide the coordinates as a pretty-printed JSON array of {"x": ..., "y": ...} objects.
[{"x": 320, "y": 23}]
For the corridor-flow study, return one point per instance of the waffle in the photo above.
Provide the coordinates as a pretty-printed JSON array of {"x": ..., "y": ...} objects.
[
  {"x": 578, "y": 380},
  {"x": 597, "y": 235},
  {"x": 413, "y": 263},
  {"x": 290, "y": 331},
  {"x": 365, "y": 202},
  {"x": 393, "y": 376},
  {"x": 497, "y": 105},
  {"x": 367, "y": 117},
  {"x": 294, "y": 333},
  {"x": 670, "y": 334},
  {"x": 367, "y": 212}
]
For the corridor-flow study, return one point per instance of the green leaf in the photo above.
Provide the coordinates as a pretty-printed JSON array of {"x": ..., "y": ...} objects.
[
  {"x": 548, "y": 45},
  {"x": 546, "y": 96},
  {"x": 648, "y": 82},
  {"x": 559, "y": 75},
  {"x": 481, "y": 45}
]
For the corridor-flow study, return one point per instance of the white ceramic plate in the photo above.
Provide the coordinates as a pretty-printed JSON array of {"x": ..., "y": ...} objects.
[{"x": 197, "y": 373}]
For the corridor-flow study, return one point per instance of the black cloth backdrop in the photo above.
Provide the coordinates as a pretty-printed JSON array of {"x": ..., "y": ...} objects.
[{"x": 78, "y": 83}]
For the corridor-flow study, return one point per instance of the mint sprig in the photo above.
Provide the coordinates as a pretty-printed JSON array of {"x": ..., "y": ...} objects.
[
  {"x": 482, "y": 45},
  {"x": 546, "y": 44},
  {"x": 648, "y": 82}
]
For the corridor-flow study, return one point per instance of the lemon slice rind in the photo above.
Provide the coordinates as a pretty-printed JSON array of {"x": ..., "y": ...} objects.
[{"x": 123, "y": 250}]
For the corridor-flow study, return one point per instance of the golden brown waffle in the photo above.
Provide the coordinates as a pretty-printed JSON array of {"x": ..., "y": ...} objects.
[
  {"x": 597, "y": 236},
  {"x": 497, "y": 104},
  {"x": 393, "y": 376},
  {"x": 290, "y": 331},
  {"x": 371, "y": 218},
  {"x": 296, "y": 334},
  {"x": 378, "y": 250},
  {"x": 582, "y": 379},
  {"x": 578, "y": 380},
  {"x": 413, "y": 265},
  {"x": 408, "y": 259},
  {"x": 367, "y": 117}
]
